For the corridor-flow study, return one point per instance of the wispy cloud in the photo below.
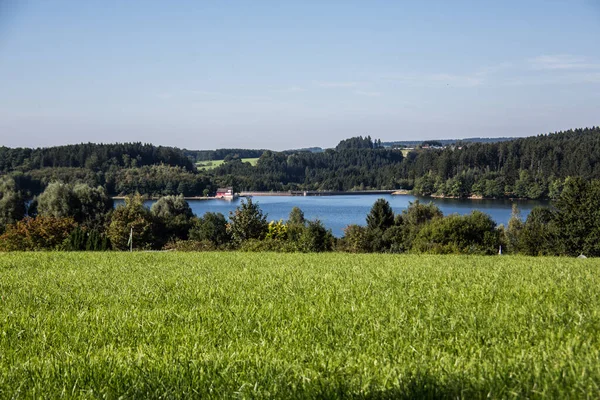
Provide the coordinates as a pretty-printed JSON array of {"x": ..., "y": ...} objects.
[
  {"x": 439, "y": 79},
  {"x": 562, "y": 62},
  {"x": 571, "y": 78},
  {"x": 540, "y": 70},
  {"x": 196, "y": 95},
  {"x": 337, "y": 84},
  {"x": 472, "y": 80},
  {"x": 291, "y": 89},
  {"x": 475, "y": 78},
  {"x": 367, "y": 93}
]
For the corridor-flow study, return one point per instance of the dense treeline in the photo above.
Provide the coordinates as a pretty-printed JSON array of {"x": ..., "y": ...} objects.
[
  {"x": 331, "y": 170},
  {"x": 447, "y": 142},
  {"x": 95, "y": 157},
  {"x": 121, "y": 169},
  {"x": 533, "y": 167},
  {"x": 80, "y": 217}
]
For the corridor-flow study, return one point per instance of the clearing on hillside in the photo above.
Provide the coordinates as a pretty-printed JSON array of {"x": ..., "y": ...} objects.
[{"x": 206, "y": 165}]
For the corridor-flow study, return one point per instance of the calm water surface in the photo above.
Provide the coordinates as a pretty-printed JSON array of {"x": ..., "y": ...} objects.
[{"x": 336, "y": 212}]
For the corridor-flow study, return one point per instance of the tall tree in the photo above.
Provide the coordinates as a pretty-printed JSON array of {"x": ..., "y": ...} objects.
[
  {"x": 12, "y": 203},
  {"x": 133, "y": 218},
  {"x": 381, "y": 216},
  {"x": 175, "y": 214},
  {"x": 247, "y": 222}
]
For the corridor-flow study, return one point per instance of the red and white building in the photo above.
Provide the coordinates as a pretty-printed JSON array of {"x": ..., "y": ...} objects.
[{"x": 225, "y": 193}]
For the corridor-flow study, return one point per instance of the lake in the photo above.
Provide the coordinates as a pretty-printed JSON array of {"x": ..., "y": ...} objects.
[{"x": 336, "y": 212}]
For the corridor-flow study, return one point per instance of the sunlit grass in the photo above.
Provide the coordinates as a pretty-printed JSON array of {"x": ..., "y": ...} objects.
[
  {"x": 205, "y": 165},
  {"x": 149, "y": 325}
]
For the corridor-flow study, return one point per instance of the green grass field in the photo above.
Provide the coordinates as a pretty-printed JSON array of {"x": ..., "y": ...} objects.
[
  {"x": 256, "y": 325},
  {"x": 205, "y": 165}
]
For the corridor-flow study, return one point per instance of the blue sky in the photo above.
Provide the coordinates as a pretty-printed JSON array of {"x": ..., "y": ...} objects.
[{"x": 286, "y": 74}]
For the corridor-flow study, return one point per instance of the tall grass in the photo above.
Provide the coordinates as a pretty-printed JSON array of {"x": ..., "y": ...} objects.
[{"x": 240, "y": 325}]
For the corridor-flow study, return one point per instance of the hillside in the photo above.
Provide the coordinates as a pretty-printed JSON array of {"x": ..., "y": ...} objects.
[{"x": 533, "y": 167}]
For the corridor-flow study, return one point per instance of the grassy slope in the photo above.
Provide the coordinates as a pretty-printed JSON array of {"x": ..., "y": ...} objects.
[
  {"x": 292, "y": 325},
  {"x": 205, "y": 165}
]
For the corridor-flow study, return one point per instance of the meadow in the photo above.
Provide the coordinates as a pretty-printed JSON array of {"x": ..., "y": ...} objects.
[
  {"x": 206, "y": 165},
  {"x": 256, "y": 325}
]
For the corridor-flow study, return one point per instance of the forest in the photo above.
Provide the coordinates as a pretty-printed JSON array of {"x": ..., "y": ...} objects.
[{"x": 534, "y": 167}]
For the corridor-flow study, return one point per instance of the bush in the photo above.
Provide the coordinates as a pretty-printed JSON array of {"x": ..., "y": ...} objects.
[
  {"x": 355, "y": 240},
  {"x": 315, "y": 238},
  {"x": 211, "y": 227},
  {"x": 40, "y": 233},
  {"x": 471, "y": 234},
  {"x": 277, "y": 231},
  {"x": 82, "y": 239}
]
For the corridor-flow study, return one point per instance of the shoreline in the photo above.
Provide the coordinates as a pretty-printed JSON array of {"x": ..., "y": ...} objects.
[{"x": 313, "y": 193}]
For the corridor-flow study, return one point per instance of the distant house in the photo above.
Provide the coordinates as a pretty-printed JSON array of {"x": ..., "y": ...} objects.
[{"x": 225, "y": 193}]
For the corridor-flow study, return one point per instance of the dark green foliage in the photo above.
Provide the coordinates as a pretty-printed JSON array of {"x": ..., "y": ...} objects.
[
  {"x": 296, "y": 216},
  {"x": 211, "y": 227},
  {"x": 357, "y": 142},
  {"x": 381, "y": 216},
  {"x": 247, "y": 222},
  {"x": 315, "y": 238},
  {"x": 513, "y": 231},
  {"x": 97, "y": 241},
  {"x": 533, "y": 167},
  {"x": 540, "y": 234},
  {"x": 330, "y": 170},
  {"x": 383, "y": 237},
  {"x": 295, "y": 225},
  {"x": 578, "y": 216},
  {"x": 530, "y": 167},
  {"x": 86, "y": 205},
  {"x": 433, "y": 143},
  {"x": 58, "y": 200},
  {"x": 461, "y": 234},
  {"x": 93, "y": 207},
  {"x": 158, "y": 180},
  {"x": 92, "y": 156},
  {"x": 418, "y": 214},
  {"x": 175, "y": 215},
  {"x": 81, "y": 239},
  {"x": 379, "y": 220},
  {"x": 12, "y": 204}
]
